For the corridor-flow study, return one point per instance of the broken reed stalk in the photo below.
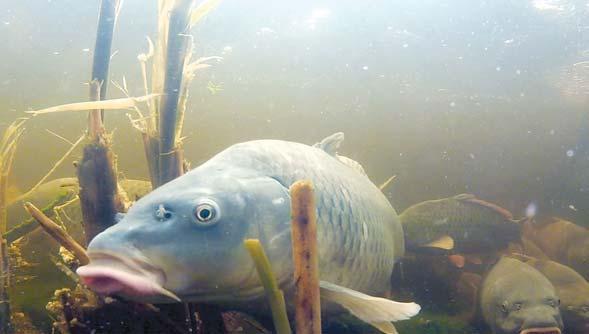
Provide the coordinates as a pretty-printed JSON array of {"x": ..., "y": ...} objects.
[
  {"x": 273, "y": 293},
  {"x": 99, "y": 193},
  {"x": 305, "y": 258},
  {"x": 57, "y": 233},
  {"x": 178, "y": 40}
]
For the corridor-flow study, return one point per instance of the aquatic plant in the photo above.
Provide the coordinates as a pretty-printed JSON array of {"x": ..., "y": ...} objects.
[
  {"x": 8, "y": 145},
  {"x": 172, "y": 72},
  {"x": 273, "y": 293},
  {"x": 305, "y": 258}
]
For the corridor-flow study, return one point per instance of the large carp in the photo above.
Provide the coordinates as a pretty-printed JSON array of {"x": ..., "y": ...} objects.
[
  {"x": 515, "y": 298},
  {"x": 185, "y": 238}
]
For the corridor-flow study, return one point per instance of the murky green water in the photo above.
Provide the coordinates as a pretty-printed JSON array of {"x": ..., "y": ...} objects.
[{"x": 481, "y": 97}]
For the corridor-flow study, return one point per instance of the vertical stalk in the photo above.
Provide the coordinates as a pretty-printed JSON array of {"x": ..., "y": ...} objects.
[
  {"x": 99, "y": 195},
  {"x": 306, "y": 260},
  {"x": 7, "y": 151},
  {"x": 102, "y": 49},
  {"x": 170, "y": 164},
  {"x": 273, "y": 293}
]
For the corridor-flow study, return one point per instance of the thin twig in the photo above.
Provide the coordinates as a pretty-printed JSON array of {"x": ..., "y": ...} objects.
[
  {"x": 58, "y": 233},
  {"x": 55, "y": 166},
  {"x": 60, "y": 137},
  {"x": 386, "y": 183}
]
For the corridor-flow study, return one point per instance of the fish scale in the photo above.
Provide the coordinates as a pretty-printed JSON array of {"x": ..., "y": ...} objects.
[{"x": 345, "y": 200}]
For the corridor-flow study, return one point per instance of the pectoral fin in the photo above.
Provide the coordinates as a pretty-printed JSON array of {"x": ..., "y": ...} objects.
[
  {"x": 445, "y": 242},
  {"x": 378, "y": 312},
  {"x": 457, "y": 260}
]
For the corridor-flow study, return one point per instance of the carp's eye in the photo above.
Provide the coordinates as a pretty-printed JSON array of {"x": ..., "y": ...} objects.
[
  {"x": 505, "y": 307},
  {"x": 207, "y": 213}
]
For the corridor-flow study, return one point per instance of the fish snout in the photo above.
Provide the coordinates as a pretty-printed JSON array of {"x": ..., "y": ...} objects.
[
  {"x": 542, "y": 323},
  {"x": 133, "y": 277}
]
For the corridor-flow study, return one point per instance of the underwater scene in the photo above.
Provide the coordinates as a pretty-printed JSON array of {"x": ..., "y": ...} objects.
[{"x": 218, "y": 166}]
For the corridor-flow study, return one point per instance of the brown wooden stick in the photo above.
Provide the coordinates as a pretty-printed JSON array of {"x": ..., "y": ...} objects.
[
  {"x": 58, "y": 233},
  {"x": 305, "y": 257}
]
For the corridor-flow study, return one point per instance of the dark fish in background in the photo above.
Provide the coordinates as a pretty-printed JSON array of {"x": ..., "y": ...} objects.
[
  {"x": 561, "y": 241},
  {"x": 515, "y": 298},
  {"x": 461, "y": 224},
  {"x": 571, "y": 288}
]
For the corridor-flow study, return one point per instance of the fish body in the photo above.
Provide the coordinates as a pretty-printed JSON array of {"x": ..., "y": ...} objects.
[
  {"x": 562, "y": 241},
  {"x": 463, "y": 224},
  {"x": 186, "y": 237},
  {"x": 573, "y": 291},
  {"x": 515, "y": 298}
]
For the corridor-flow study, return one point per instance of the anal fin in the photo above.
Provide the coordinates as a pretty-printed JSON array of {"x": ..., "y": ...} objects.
[{"x": 378, "y": 312}]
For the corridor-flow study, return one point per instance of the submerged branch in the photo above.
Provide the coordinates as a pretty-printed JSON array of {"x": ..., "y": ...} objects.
[{"x": 58, "y": 233}]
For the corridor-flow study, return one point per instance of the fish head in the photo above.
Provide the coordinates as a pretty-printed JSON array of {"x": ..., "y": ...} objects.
[
  {"x": 184, "y": 240},
  {"x": 578, "y": 256},
  {"x": 528, "y": 315},
  {"x": 576, "y": 314}
]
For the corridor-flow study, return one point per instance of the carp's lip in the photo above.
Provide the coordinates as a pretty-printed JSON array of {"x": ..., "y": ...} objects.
[
  {"x": 110, "y": 274},
  {"x": 541, "y": 330}
]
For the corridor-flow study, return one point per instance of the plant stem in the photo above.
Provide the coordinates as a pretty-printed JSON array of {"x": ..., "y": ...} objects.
[
  {"x": 275, "y": 295},
  {"x": 102, "y": 52},
  {"x": 170, "y": 166},
  {"x": 305, "y": 258}
]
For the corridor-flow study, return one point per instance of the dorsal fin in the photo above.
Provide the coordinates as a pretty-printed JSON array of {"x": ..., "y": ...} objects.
[
  {"x": 331, "y": 144},
  {"x": 469, "y": 198}
]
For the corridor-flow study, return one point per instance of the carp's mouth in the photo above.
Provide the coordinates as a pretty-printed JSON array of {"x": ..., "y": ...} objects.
[
  {"x": 542, "y": 330},
  {"x": 110, "y": 274}
]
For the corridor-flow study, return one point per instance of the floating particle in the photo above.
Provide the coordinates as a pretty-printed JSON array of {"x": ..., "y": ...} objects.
[
  {"x": 531, "y": 210},
  {"x": 572, "y": 207},
  {"x": 498, "y": 68},
  {"x": 365, "y": 68},
  {"x": 570, "y": 153}
]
